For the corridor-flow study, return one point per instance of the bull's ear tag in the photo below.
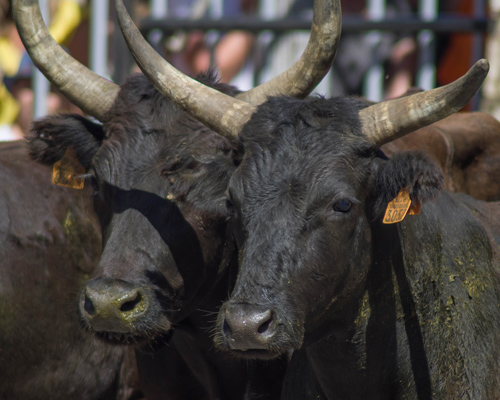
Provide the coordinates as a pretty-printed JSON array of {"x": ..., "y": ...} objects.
[
  {"x": 68, "y": 171},
  {"x": 415, "y": 208},
  {"x": 397, "y": 208}
]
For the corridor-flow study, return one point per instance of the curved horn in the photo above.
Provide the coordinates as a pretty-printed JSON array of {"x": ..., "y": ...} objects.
[
  {"x": 301, "y": 79},
  {"x": 89, "y": 91},
  {"x": 222, "y": 113},
  {"x": 389, "y": 120}
]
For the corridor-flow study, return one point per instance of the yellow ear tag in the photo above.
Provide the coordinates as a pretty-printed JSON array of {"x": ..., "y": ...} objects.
[
  {"x": 415, "y": 208},
  {"x": 68, "y": 171},
  {"x": 397, "y": 208}
]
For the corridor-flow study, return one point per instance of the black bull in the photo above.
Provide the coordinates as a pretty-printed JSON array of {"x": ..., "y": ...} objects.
[
  {"x": 49, "y": 245},
  {"x": 386, "y": 311},
  {"x": 168, "y": 252}
]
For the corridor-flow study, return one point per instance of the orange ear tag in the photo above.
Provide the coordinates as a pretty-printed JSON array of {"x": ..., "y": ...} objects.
[
  {"x": 397, "y": 208},
  {"x": 415, "y": 208},
  {"x": 68, "y": 171}
]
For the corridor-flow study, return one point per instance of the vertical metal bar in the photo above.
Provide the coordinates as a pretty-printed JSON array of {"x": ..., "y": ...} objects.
[
  {"x": 426, "y": 75},
  {"x": 159, "y": 10},
  {"x": 98, "y": 57},
  {"x": 120, "y": 55},
  {"x": 267, "y": 11},
  {"x": 478, "y": 49},
  {"x": 478, "y": 46},
  {"x": 40, "y": 85},
  {"x": 373, "y": 86},
  {"x": 212, "y": 38},
  {"x": 217, "y": 9}
]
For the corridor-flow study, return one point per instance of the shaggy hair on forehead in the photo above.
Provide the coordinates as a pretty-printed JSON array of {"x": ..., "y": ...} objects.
[
  {"x": 305, "y": 137},
  {"x": 284, "y": 117}
]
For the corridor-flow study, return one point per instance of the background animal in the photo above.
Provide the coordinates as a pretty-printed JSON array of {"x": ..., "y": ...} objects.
[
  {"x": 50, "y": 242},
  {"x": 466, "y": 146}
]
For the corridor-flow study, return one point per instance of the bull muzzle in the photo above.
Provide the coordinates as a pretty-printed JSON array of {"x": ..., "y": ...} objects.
[
  {"x": 114, "y": 306},
  {"x": 248, "y": 327}
]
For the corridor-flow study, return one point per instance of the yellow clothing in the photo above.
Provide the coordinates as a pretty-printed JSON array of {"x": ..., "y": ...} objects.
[
  {"x": 9, "y": 107},
  {"x": 66, "y": 20},
  {"x": 10, "y": 57}
]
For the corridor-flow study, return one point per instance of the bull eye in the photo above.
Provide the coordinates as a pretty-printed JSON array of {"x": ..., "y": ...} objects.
[
  {"x": 343, "y": 206},
  {"x": 94, "y": 185},
  {"x": 229, "y": 205}
]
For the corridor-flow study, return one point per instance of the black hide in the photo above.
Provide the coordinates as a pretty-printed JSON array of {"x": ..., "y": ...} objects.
[
  {"x": 370, "y": 310},
  {"x": 168, "y": 260}
]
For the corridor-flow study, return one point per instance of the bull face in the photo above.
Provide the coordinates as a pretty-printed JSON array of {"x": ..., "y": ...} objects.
[
  {"x": 159, "y": 198},
  {"x": 155, "y": 276},
  {"x": 304, "y": 196}
]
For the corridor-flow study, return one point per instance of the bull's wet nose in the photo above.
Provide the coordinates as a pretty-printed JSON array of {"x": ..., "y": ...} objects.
[
  {"x": 248, "y": 327},
  {"x": 113, "y": 306}
]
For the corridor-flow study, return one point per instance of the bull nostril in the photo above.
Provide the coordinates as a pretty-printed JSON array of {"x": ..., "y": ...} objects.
[
  {"x": 130, "y": 305},
  {"x": 88, "y": 306},
  {"x": 265, "y": 325},
  {"x": 227, "y": 329}
]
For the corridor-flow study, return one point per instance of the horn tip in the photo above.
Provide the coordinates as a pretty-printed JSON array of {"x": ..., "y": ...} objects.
[{"x": 484, "y": 64}]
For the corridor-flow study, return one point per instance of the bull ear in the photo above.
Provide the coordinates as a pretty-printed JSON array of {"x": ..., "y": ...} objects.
[
  {"x": 412, "y": 169},
  {"x": 51, "y": 136}
]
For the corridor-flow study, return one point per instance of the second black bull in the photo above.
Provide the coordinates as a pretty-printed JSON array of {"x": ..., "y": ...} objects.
[{"x": 167, "y": 248}]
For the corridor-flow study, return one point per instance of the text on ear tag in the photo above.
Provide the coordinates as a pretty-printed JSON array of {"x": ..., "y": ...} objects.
[
  {"x": 397, "y": 208},
  {"x": 68, "y": 171}
]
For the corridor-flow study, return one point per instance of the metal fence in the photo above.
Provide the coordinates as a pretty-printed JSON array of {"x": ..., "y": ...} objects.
[{"x": 425, "y": 25}]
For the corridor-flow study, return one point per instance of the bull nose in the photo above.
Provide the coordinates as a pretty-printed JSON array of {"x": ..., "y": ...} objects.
[
  {"x": 248, "y": 327},
  {"x": 113, "y": 305}
]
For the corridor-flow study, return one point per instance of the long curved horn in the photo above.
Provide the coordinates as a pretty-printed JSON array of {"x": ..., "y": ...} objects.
[
  {"x": 89, "y": 91},
  {"x": 224, "y": 114},
  {"x": 389, "y": 120},
  {"x": 301, "y": 79}
]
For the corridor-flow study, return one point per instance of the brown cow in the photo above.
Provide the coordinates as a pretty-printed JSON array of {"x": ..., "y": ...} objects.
[
  {"x": 466, "y": 146},
  {"x": 50, "y": 242}
]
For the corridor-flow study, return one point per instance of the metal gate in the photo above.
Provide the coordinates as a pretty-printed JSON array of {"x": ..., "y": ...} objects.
[{"x": 425, "y": 25}]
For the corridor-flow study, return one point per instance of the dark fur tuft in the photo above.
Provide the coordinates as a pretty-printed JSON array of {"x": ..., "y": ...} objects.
[
  {"x": 50, "y": 137},
  {"x": 413, "y": 169}
]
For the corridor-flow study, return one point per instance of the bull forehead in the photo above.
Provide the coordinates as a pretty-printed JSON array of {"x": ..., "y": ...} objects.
[
  {"x": 304, "y": 140},
  {"x": 294, "y": 176}
]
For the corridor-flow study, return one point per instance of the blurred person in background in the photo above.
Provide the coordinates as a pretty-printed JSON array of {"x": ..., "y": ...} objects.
[
  {"x": 356, "y": 52},
  {"x": 232, "y": 48},
  {"x": 195, "y": 52}
]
